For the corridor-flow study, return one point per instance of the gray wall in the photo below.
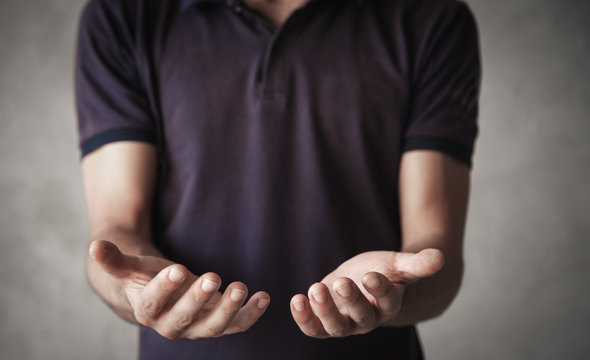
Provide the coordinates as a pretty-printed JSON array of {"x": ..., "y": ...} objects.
[{"x": 526, "y": 287}]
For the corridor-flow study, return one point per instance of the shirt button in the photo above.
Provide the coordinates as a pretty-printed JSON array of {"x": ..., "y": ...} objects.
[{"x": 238, "y": 9}]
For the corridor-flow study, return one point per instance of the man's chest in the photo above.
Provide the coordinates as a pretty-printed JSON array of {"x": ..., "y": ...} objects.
[
  {"x": 212, "y": 62},
  {"x": 332, "y": 77}
]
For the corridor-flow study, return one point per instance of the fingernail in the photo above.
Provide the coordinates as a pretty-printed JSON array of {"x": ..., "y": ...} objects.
[
  {"x": 237, "y": 295},
  {"x": 175, "y": 275},
  {"x": 92, "y": 249},
  {"x": 319, "y": 296},
  {"x": 262, "y": 303},
  {"x": 344, "y": 290},
  {"x": 209, "y": 285},
  {"x": 100, "y": 252},
  {"x": 299, "y": 305},
  {"x": 372, "y": 282}
]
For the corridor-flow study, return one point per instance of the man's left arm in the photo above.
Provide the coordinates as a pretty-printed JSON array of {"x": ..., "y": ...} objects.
[
  {"x": 434, "y": 192},
  {"x": 386, "y": 288}
]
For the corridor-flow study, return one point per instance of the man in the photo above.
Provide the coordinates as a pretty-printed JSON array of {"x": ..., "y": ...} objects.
[{"x": 317, "y": 151}]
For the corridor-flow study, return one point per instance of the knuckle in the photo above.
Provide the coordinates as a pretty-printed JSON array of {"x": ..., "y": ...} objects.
[
  {"x": 364, "y": 320},
  {"x": 364, "y": 330},
  {"x": 389, "y": 311},
  {"x": 213, "y": 331},
  {"x": 393, "y": 306},
  {"x": 192, "y": 337},
  {"x": 182, "y": 320},
  {"x": 168, "y": 333},
  {"x": 147, "y": 305},
  {"x": 142, "y": 318},
  {"x": 337, "y": 332},
  {"x": 228, "y": 311},
  {"x": 316, "y": 334},
  {"x": 244, "y": 327},
  {"x": 239, "y": 327},
  {"x": 311, "y": 333},
  {"x": 197, "y": 299},
  {"x": 324, "y": 312}
]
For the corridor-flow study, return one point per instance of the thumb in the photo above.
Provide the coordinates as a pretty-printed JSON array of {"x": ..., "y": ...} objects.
[
  {"x": 412, "y": 267},
  {"x": 111, "y": 259}
]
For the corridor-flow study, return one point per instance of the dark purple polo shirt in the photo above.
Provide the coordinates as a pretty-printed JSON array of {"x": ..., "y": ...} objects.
[{"x": 278, "y": 149}]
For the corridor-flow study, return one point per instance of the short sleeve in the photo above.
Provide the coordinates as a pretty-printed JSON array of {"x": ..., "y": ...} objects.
[
  {"x": 445, "y": 79},
  {"x": 111, "y": 102}
]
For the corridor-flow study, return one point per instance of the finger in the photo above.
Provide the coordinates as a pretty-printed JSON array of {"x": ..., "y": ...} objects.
[
  {"x": 307, "y": 321},
  {"x": 359, "y": 308},
  {"x": 322, "y": 304},
  {"x": 188, "y": 308},
  {"x": 218, "y": 320},
  {"x": 388, "y": 298},
  {"x": 157, "y": 294},
  {"x": 412, "y": 267},
  {"x": 111, "y": 259},
  {"x": 249, "y": 313}
]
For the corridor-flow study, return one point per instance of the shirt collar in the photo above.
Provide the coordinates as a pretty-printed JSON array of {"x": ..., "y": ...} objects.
[{"x": 185, "y": 4}]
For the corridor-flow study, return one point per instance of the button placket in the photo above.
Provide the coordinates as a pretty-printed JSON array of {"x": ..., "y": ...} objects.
[
  {"x": 274, "y": 80},
  {"x": 274, "y": 74}
]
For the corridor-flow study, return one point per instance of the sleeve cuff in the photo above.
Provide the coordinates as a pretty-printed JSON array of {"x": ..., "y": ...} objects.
[
  {"x": 455, "y": 149},
  {"x": 93, "y": 143}
]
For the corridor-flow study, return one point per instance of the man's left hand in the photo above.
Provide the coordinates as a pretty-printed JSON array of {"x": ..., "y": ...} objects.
[{"x": 363, "y": 293}]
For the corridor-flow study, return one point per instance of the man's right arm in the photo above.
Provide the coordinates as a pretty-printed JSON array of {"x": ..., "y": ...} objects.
[
  {"x": 130, "y": 274},
  {"x": 118, "y": 181}
]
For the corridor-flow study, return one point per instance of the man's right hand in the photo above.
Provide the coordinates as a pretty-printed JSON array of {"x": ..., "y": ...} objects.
[{"x": 170, "y": 299}]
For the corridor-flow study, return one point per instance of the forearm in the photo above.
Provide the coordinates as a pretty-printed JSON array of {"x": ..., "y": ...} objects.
[{"x": 105, "y": 285}]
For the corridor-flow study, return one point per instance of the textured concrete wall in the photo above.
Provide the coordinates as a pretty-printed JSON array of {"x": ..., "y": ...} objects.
[
  {"x": 525, "y": 293},
  {"x": 526, "y": 287}
]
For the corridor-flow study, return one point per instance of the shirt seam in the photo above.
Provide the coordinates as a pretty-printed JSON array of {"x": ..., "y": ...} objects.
[
  {"x": 450, "y": 147},
  {"x": 120, "y": 134}
]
